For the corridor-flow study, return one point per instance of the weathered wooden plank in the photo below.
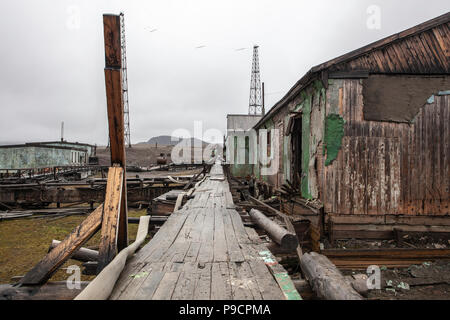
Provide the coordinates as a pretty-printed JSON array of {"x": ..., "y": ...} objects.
[
  {"x": 204, "y": 249},
  {"x": 203, "y": 287},
  {"x": 184, "y": 289},
  {"x": 234, "y": 251},
  {"x": 166, "y": 286},
  {"x": 145, "y": 289},
  {"x": 265, "y": 281},
  {"x": 239, "y": 283},
  {"x": 113, "y": 48},
  {"x": 114, "y": 99},
  {"x": 206, "y": 253},
  {"x": 111, "y": 213},
  {"x": 220, "y": 282},
  {"x": 55, "y": 258},
  {"x": 220, "y": 242}
]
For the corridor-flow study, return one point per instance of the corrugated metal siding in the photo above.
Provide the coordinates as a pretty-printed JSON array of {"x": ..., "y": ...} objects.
[{"x": 390, "y": 168}]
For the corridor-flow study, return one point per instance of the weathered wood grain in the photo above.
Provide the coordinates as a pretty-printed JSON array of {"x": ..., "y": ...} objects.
[
  {"x": 114, "y": 99},
  {"x": 202, "y": 252},
  {"x": 111, "y": 213}
]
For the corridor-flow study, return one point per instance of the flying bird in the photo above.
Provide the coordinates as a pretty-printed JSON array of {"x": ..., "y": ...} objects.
[
  {"x": 152, "y": 30},
  {"x": 200, "y": 47}
]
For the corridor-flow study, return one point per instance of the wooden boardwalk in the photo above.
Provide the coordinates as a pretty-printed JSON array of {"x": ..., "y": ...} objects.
[{"x": 204, "y": 251}]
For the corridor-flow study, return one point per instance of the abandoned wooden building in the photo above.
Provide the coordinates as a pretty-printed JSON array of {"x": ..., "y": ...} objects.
[{"x": 366, "y": 137}]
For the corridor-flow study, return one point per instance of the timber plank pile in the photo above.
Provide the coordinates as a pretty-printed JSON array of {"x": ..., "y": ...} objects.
[{"x": 203, "y": 251}]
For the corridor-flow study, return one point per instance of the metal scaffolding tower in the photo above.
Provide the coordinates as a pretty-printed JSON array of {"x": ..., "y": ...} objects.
[
  {"x": 255, "y": 104},
  {"x": 126, "y": 109}
]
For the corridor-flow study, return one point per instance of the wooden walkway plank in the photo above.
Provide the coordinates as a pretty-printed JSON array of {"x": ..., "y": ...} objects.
[
  {"x": 203, "y": 287},
  {"x": 166, "y": 286},
  {"x": 184, "y": 289},
  {"x": 234, "y": 250},
  {"x": 220, "y": 282},
  {"x": 208, "y": 254},
  {"x": 144, "y": 277},
  {"x": 239, "y": 283},
  {"x": 220, "y": 242}
]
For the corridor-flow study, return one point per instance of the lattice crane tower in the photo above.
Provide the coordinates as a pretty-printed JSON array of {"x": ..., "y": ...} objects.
[
  {"x": 126, "y": 108},
  {"x": 255, "y": 105}
]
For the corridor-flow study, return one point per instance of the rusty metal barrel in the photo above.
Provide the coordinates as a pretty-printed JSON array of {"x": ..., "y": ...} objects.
[{"x": 161, "y": 160}]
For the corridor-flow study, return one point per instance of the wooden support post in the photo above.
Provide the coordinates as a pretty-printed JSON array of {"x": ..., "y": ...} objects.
[
  {"x": 114, "y": 96},
  {"x": 111, "y": 213},
  {"x": 55, "y": 258}
]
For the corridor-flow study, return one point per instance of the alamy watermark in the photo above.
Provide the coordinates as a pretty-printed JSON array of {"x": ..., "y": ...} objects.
[
  {"x": 73, "y": 21},
  {"x": 74, "y": 280},
  {"x": 374, "y": 278},
  {"x": 373, "y": 21}
]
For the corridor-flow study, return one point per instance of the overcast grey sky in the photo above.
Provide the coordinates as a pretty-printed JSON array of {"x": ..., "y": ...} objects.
[{"x": 52, "y": 58}]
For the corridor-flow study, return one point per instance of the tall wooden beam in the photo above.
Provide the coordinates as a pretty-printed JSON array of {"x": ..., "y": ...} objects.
[
  {"x": 111, "y": 213},
  {"x": 114, "y": 96}
]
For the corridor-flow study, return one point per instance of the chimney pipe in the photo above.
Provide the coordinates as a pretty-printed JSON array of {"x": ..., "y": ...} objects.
[{"x": 62, "y": 131}]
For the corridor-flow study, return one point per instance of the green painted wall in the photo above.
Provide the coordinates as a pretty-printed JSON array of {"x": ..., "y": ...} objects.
[
  {"x": 35, "y": 157},
  {"x": 334, "y": 132}
]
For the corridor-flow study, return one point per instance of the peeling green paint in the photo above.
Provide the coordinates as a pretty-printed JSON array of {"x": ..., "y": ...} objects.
[
  {"x": 306, "y": 121},
  {"x": 287, "y": 286},
  {"x": 334, "y": 132}
]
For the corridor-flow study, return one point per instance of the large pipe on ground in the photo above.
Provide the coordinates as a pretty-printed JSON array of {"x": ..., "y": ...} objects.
[{"x": 284, "y": 238}]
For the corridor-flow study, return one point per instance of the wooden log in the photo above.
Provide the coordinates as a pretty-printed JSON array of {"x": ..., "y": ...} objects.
[
  {"x": 285, "y": 218},
  {"x": 51, "y": 291},
  {"x": 111, "y": 213},
  {"x": 82, "y": 254},
  {"x": 55, "y": 258},
  {"x": 114, "y": 98},
  {"x": 284, "y": 238},
  {"x": 325, "y": 279}
]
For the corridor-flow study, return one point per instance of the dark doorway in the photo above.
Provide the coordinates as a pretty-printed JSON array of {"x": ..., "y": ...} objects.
[{"x": 296, "y": 141}]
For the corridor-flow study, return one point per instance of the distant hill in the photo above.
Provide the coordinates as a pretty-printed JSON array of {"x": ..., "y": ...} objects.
[{"x": 172, "y": 141}]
